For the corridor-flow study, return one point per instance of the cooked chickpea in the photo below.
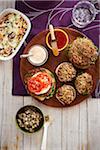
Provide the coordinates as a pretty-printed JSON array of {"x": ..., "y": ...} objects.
[{"x": 29, "y": 120}]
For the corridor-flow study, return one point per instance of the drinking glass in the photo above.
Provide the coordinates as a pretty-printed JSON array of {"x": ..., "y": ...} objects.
[{"x": 83, "y": 13}]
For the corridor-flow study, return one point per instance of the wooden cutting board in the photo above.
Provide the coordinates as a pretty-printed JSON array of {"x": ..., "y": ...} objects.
[{"x": 53, "y": 62}]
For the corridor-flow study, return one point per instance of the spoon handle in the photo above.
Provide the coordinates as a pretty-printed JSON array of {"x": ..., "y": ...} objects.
[
  {"x": 44, "y": 140},
  {"x": 53, "y": 41},
  {"x": 25, "y": 55}
]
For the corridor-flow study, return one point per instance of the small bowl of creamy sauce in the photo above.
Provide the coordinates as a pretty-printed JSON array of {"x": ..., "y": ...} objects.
[{"x": 38, "y": 55}]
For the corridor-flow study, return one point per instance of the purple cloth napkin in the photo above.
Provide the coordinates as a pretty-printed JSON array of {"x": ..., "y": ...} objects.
[{"x": 41, "y": 13}]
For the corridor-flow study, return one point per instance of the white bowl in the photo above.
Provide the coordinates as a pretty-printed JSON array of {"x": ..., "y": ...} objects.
[
  {"x": 45, "y": 59},
  {"x": 10, "y": 10}
]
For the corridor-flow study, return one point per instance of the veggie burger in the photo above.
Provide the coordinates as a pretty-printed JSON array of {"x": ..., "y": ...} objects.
[{"x": 40, "y": 83}]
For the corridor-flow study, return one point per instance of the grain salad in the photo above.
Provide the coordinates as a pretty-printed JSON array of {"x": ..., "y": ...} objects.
[
  {"x": 84, "y": 83},
  {"x": 65, "y": 72},
  {"x": 66, "y": 94},
  {"x": 12, "y": 29}
]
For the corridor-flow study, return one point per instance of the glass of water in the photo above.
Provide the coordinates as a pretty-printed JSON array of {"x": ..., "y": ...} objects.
[{"x": 83, "y": 13}]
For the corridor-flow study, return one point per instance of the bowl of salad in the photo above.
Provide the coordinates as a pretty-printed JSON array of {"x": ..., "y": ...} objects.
[{"x": 29, "y": 119}]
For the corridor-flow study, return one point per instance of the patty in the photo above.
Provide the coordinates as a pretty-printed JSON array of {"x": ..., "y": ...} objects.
[
  {"x": 66, "y": 94},
  {"x": 65, "y": 72},
  {"x": 50, "y": 92},
  {"x": 84, "y": 83},
  {"x": 82, "y": 53}
]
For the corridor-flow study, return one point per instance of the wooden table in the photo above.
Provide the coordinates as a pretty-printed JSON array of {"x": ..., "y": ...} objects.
[{"x": 75, "y": 128}]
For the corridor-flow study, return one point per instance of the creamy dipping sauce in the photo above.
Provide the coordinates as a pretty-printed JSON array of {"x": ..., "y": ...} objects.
[{"x": 39, "y": 55}]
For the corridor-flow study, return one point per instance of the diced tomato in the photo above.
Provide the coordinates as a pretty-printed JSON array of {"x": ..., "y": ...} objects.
[{"x": 37, "y": 83}]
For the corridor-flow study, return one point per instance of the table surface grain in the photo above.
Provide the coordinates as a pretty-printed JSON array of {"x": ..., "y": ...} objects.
[{"x": 74, "y": 128}]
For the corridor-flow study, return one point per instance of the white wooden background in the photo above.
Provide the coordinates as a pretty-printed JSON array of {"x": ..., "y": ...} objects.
[{"x": 75, "y": 128}]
